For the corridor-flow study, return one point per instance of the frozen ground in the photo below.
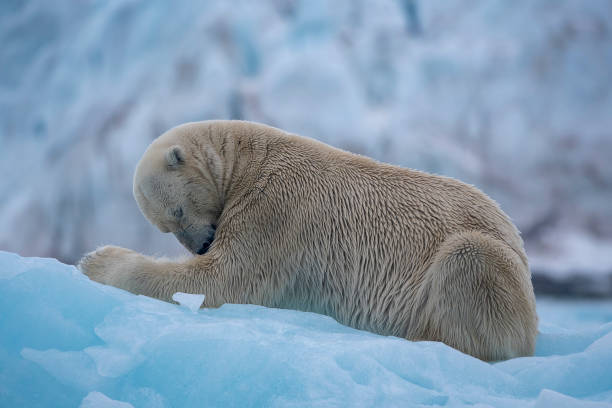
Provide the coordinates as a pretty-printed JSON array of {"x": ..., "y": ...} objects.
[{"x": 66, "y": 342}]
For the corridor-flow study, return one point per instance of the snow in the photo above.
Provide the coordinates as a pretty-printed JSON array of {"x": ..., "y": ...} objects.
[
  {"x": 514, "y": 97},
  {"x": 68, "y": 341}
]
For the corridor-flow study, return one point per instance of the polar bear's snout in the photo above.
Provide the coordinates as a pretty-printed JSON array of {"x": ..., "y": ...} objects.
[
  {"x": 197, "y": 242},
  {"x": 205, "y": 247},
  {"x": 208, "y": 241}
]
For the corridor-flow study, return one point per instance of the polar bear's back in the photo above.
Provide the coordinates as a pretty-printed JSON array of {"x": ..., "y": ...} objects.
[{"x": 408, "y": 204}]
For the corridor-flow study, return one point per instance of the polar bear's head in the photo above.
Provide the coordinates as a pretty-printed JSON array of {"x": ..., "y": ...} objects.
[{"x": 176, "y": 189}]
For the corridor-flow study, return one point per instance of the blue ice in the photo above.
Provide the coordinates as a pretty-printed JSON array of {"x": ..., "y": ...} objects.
[{"x": 66, "y": 341}]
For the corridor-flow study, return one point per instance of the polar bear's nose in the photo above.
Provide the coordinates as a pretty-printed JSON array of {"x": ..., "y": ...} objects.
[
  {"x": 204, "y": 248},
  {"x": 208, "y": 242}
]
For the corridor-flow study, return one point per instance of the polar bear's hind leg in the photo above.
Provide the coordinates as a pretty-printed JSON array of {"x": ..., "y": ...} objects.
[{"x": 477, "y": 297}]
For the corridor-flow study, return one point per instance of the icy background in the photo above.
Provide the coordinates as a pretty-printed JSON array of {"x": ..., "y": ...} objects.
[
  {"x": 66, "y": 341},
  {"x": 512, "y": 96}
]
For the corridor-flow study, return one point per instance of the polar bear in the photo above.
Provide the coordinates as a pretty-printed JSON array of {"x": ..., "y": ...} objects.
[{"x": 280, "y": 220}]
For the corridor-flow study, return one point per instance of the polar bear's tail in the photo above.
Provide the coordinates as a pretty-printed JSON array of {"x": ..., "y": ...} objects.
[{"x": 478, "y": 298}]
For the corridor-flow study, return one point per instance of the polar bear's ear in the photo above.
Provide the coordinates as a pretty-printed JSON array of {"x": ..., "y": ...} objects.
[{"x": 175, "y": 156}]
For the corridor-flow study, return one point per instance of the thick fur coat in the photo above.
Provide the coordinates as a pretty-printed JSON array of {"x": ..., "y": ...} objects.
[{"x": 280, "y": 220}]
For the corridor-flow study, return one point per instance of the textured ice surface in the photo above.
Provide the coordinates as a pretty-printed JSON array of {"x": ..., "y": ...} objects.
[{"x": 67, "y": 342}]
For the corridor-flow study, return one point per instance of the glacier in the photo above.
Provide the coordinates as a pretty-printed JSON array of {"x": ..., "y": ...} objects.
[
  {"x": 68, "y": 341},
  {"x": 514, "y": 97}
]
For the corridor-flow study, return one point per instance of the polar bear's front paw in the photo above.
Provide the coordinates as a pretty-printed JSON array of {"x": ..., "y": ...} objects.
[{"x": 109, "y": 265}]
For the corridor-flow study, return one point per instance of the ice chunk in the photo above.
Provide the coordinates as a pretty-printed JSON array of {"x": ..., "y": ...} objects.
[
  {"x": 191, "y": 301},
  {"x": 96, "y": 399}
]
